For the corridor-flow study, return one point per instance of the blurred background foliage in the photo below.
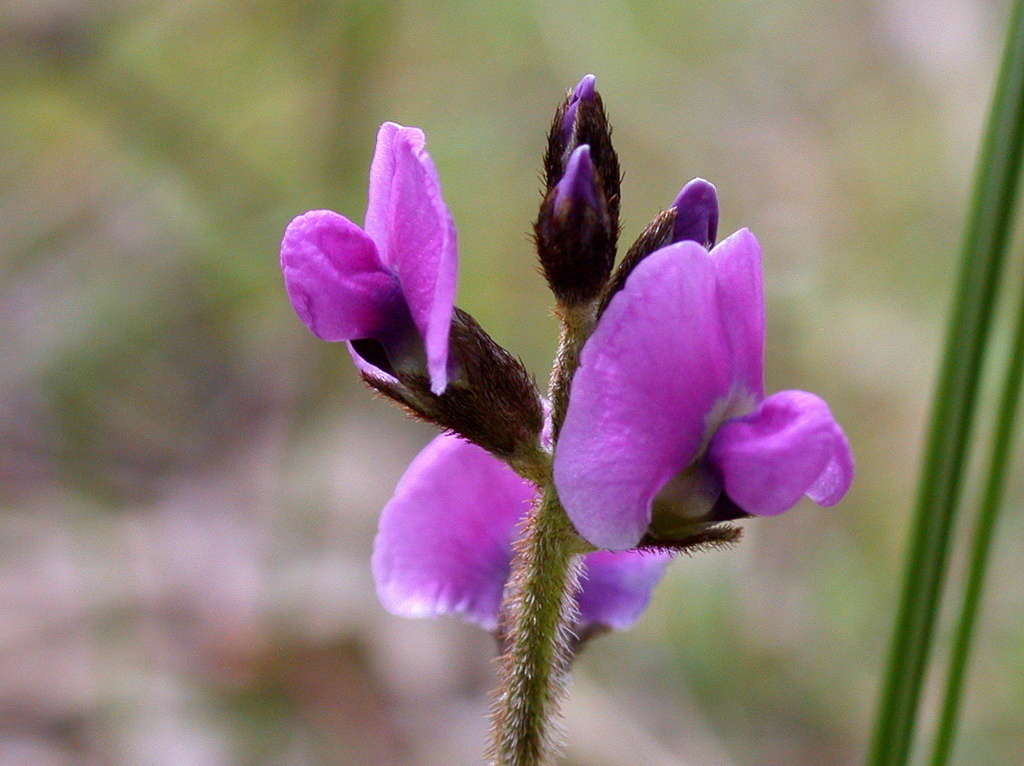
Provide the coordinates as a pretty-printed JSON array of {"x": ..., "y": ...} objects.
[{"x": 190, "y": 481}]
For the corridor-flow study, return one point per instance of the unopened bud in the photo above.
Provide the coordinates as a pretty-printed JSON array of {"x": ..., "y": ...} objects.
[
  {"x": 693, "y": 216},
  {"x": 578, "y": 186},
  {"x": 585, "y": 91},
  {"x": 574, "y": 234},
  {"x": 581, "y": 120},
  {"x": 696, "y": 209},
  {"x": 655, "y": 236}
]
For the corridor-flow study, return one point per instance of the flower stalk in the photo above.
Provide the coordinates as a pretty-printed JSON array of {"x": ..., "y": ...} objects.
[
  {"x": 577, "y": 324},
  {"x": 539, "y": 611},
  {"x": 540, "y": 607}
]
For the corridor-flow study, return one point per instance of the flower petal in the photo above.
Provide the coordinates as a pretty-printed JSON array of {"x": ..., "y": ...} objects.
[
  {"x": 408, "y": 219},
  {"x": 444, "y": 545},
  {"x": 655, "y": 368},
  {"x": 788, "y": 447},
  {"x": 382, "y": 174},
  {"x": 617, "y": 586},
  {"x": 335, "y": 279},
  {"x": 741, "y": 300}
]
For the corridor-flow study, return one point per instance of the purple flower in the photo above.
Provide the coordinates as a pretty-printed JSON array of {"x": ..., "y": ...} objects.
[
  {"x": 668, "y": 404},
  {"x": 445, "y": 544},
  {"x": 391, "y": 282}
]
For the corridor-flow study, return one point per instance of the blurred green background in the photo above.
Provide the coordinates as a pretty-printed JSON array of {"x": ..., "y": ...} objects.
[{"x": 190, "y": 481}]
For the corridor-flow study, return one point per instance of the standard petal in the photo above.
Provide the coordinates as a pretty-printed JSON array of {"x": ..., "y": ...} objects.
[
  {"x": 409, "y": 220},
  {"x": 382, "y": 174},
  {"x": 788, "y": 447},
  {"x": 650, "y": 379},
  {"x": 444, "y": 545},
  {"x": 335, "y": 279},
  {"x": 616, "y": 586},
  {"x": 741, "y": 299}
]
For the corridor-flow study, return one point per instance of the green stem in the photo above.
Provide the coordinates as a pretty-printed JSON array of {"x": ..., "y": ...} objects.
[
  {"x": 982, "y": 257},
  {"x": 577, "y": 323},
  {"x": 539, "y": 610},
  {"x": 981, "y": 546}
]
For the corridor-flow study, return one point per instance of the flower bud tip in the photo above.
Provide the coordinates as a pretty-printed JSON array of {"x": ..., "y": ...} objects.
[
  {"x": 696, "y": 213},
  {"x": 577, "y": 185}
]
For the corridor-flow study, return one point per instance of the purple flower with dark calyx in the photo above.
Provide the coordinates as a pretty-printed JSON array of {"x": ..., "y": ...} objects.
[
  {"x": 669, "y": 398},
  {"x": 391, "y": 282},
  {"x": 444, "y": 546},
  {"x": 388, "y": 290}
]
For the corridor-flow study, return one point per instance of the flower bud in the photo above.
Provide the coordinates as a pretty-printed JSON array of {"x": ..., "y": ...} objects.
[
  {"x": 655, "y": 235},
  {"x": 693, "y": 216},
  {"x": 585, "y": 91},
  {"x": 696, "y": 209},
  {"x": 581, "y": 120},
  {"x": 574, "y": 234}
]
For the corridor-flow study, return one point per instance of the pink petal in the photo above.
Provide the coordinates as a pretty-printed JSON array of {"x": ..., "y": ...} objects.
[
  {"x": 408, "y": 219},
  {"x": 335, "y": 279},
  {"x": 741, "y": 302},
  {"x": 445, "y": 544},
  {"x": 382, "y": 174},
  {"x": 788, "y": 447},
  {"x": 617, "y": 586},
  {"x": 445, "y": 540},
  {"x": 650, "y": 376}
]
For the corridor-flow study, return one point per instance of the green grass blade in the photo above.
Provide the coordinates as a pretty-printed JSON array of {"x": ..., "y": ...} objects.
[
  {"x": 981, "y": 545},
  {"x": 982, "y": 256}
]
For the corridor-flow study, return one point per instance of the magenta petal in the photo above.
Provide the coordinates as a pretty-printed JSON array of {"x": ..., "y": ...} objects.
[
  {"x": 788, "y": 447},
  {"x": 741, "y": 300},
  {"x": 656, "y": 366},
  {"x": 335, "y": 279},
  {"x": 408, "y": 219},
  {"x": 444, "y": 545},
  {"x": 382, "y": 174},
  {"x": 617, "y": 586}
]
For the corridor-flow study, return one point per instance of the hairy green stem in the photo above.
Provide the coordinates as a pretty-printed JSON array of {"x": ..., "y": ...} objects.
[
  {"x": 539, "y": 610},
  {"x": 577, "y": 323},
  {"x": 982, "y": 256}
]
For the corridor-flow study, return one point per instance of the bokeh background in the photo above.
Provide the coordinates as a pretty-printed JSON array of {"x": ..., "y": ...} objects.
[{"x": 190, "y": 481}]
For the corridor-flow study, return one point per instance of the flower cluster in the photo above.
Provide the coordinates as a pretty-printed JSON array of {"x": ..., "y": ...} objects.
[{"x": 660, "y": 433}]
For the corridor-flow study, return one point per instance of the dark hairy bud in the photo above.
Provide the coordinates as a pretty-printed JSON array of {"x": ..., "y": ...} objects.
[
  {"x": 693, "y": 216},
  {"x": 655, "y": 235},
  {"x": 574, "y": 234},
  {"x": 580, "y": 120},
  {"x": 491, "y": 400}
]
